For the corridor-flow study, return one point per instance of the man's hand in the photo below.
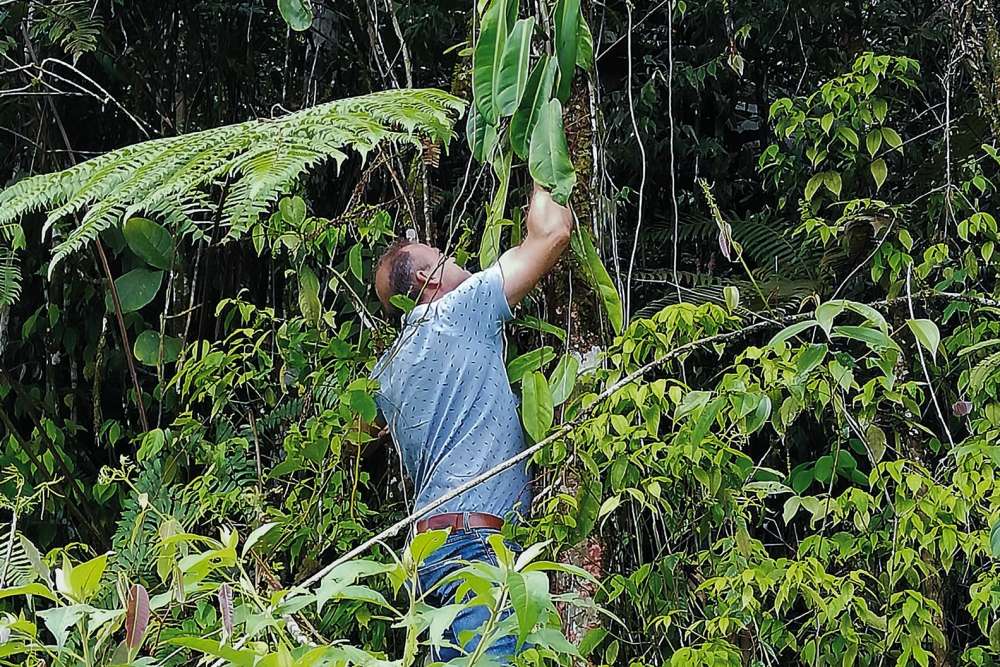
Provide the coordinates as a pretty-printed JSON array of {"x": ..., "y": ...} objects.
[{"x": 548, "y": 230}]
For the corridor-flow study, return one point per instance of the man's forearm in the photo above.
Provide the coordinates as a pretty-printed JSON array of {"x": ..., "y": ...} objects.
[{"x": 548, "y": 230}]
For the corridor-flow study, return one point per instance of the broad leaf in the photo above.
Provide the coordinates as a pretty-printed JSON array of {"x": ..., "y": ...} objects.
[
  {"x": 926, "y": 333},
  {"x": 84, "y": 579},
  {"x": 791, "y": 331},
  {"x": 28, "y": 589},
  {"x": 136, "y": 616},
  {"x": 872, "y": 337},
  {"x": 529, "y": 593},
  {"x": 529, "y": 361},
  {"x": 879, "y": 172},
  {"x": 147, "y": 348},
  {"x": 513, "y": 73},
  {"x": 424, "y": 544},
  {"x": 481, "y": 135},
  {"x": 537, "y": 93},
  {"x": 536, "y": 406},
  {"x": 598, "y": 277},
  {"x": 136, "y": 289},
  {"x": 293, "y": 210},
  {"x": 298, "y": 14},
  {"x": 564, "y": 379},
  {"x": 548, "y": 154},
  {"x": 567, "y": 23},
  {"x": 150, "y": 241},
  {"x": 811, "y": 357},
  {"x": 486, "y": 59},
  {"x": 876, "y": 442}
]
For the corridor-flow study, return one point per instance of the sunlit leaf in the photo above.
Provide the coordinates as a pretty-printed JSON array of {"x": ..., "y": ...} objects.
[{"x": 926, "y": 333}]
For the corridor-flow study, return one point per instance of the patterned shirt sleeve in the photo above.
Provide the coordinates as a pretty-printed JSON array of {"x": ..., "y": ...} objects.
[{"x": 480, "y": 301}]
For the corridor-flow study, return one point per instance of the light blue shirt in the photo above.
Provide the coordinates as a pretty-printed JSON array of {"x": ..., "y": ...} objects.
[{"x": 445, "y": 395}]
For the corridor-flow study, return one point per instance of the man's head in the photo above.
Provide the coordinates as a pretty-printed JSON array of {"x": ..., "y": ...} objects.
[{"x": 416, "y": 270}]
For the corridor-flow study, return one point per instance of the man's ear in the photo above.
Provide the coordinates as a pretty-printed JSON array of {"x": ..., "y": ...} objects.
[{"x": 429, "y": 277}]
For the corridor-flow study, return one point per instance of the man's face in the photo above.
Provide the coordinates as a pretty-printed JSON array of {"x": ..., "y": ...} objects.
[{"x": 441, "y": 272}]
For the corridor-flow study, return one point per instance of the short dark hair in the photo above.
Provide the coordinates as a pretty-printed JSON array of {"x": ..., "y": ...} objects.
[{"x": 402, "y": 273}]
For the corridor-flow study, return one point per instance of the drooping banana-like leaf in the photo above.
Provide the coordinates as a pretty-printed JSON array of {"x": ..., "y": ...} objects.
[
  {"x": 172, "y": 180},
  {"x": 567, "y": 22},
  {"x": 548, "y": 155},
  {"x": 486, "y": 59},
  {"x": 598, "y": 277},
  {"x": 537, "y": 92},
  {"x": 481, "y": 135},
  {"x": 513, "y": 72}
]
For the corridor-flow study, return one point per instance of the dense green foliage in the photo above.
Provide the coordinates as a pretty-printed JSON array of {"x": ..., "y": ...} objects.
[{"x": 764, "y": 382}]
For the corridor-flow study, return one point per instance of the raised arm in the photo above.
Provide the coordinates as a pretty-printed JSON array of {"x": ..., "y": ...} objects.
[{"x": 548, "y": 229}]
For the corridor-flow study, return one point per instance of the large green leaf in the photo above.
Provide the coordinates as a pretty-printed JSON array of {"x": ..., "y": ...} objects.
[
  {"x": 147, "y": 348},
  {"x": 567, "y": 21},
  {"x": 529, "y": 361},
  {"x": 513, "y": 73},
  {"x": 529, "y": 593},
  {"x": 481, "y": 135},
  {"x": 81, "y": 582},
  {"x": 486, "y": 59},
  {"x": 926, "y": 333},
  {"x": 298, "y": 14},
  {"x": 137, "y": 288},
  {"x": 598, "y": 277},
  {"x": 548, "y": 155},
  {"x": 536, "y": 405},
  {"x": 149, "y": 241},
  {"x": 564, "y": 378},
  {"x": 537, "y": 92}
]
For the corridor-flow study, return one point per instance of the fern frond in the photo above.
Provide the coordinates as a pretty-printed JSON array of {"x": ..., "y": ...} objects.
[
  {"x": 10, "y": 276},
  {"x": 172, "y": 178},
  {"x": 69, "y": 23}
]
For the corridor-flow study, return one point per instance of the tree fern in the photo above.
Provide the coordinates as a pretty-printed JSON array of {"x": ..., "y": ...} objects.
[
  {"x": 69, "y": 23},
  {"x": 253, "y": 162}
]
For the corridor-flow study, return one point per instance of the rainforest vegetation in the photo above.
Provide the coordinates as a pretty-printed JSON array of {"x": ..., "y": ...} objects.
[{"x": 763, "y": 386}]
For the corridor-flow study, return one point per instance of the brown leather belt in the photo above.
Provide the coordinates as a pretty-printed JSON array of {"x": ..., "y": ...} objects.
[{"x": 456, "y": 521}]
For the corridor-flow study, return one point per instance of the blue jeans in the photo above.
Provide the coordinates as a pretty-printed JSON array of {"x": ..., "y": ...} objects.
[{"x": 464, "y": 545}]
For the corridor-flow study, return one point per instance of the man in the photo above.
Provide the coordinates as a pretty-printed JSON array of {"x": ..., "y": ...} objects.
[{"x": 446, "y": 399}]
